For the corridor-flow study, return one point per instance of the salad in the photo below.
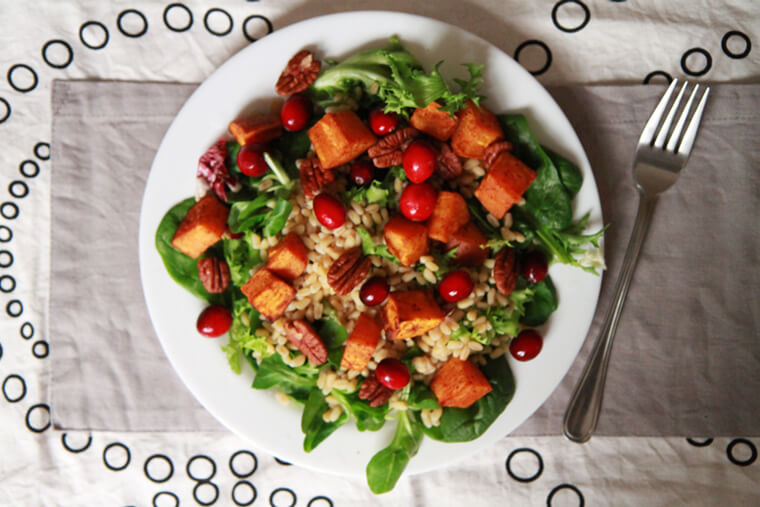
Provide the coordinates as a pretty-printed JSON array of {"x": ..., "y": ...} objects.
[{"x": 375, "y": 247}]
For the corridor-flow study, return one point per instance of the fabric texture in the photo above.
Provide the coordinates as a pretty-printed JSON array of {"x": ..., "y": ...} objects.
[{"x": 664, "y": 379}]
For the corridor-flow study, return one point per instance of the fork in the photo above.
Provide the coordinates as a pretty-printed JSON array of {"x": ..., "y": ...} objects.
[{"x": 661, "y": 153}]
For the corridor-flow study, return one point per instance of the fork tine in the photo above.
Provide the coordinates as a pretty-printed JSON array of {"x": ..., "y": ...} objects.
[
  {"x": 649, "y": 129},
  {"x": 663, "y": 134},
  {"x": 691, "y": 130},
  {"x": 676, "y": 135}
]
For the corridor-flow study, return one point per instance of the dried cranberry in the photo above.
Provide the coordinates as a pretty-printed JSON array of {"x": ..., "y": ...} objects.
[{"x": 392, "y": 373}]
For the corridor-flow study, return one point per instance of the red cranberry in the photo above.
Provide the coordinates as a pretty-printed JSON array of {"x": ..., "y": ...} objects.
[
  {"x": 419, "y": 161},
  {"x": 417, "y": 201},
  {"x": 329, "y": 211},
  {"x": 534, "y": 267},
  {"x": 526, "y": 345},
  {"x": 392, "y": 373},
  {"x": 361, "y": 172},
  {"x": 455, "y": 286},
  {"x": 374, "y": 291},
  {"x": 214, "y": 321},
  {"x": 295, "y": 113},
  {"x": 250, "y": 160},
  {"x": 382, "y": 123}
]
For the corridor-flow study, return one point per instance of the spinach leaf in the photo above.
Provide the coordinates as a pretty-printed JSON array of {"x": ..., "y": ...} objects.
[
  {"x": 374, "y": 193},
  {"x": 369, "y": 247},
  {"x": 569, "y": 173},
  {"x": 367, "y": 418},
  {"x": 542, "y": 304},
  {"x": 241, "y": 257},
  {"x": 385, "y": 467},
  {"x": 333, "y": 334},
  {"x": 289, "y": 147},
  {"x": 296, "y": 382},
  {"x": 546, "y": 198},
  {"x": 421, "y": 397},
  {"x": 466, "y": 424},
  {"x": 506, "y": 322},
  {"x": 181, "y": 268},
  {"x": 275, "y": 219},
  {"x": 315, "y": 428},
  {"x": 245, "y": 215}
]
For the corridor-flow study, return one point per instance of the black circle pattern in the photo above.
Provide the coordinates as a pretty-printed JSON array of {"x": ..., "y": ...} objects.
[
  {"x": 4, "y": 210},
  {"x": 202, "y": 484},
  {"x": 164, "y": 458},
  {"x": 69, "y": 58},
  {"x": 73, "y": 450},
  {"x": 7, "y": 284},
  {"x": 208, "y": 26},
  {"x": 586, "y": 16},
  {"x": 542, "y": 45},
  {"x": 18, "y": 378},
  {"x": 40, "y": 349},
  {"x": 6, "y": 235},
  {"x": 282, "y": 462},
  {"x": 319, "y": 499},
  {"x": 187, "y": 11},
  {"x": 26, "y": 335},
  {"x": 29, "y": 88},
  {"x": 294, "y": 498},
  {"x": 165, "y": 493},
  {"x": 7, "y": 113},
  {"x": 656, "y": 73},
  {"x": 696, "y": 73},
  {"x": 734, "y": 460},
  {"x": 200, "y": 457},
  {"x": 39, "y": 406},
  {"x": 728, "y": 52},
  {"x": 236, "y": 491},
  {"x": 6, "y": 259},
  {"x": 120, "y": 23},
  {"x": 18, "y": 189},
  {"x": 531, "y": 478},
  {"x": 243, "y": 475},
  {"x": 250, "y": 37},
  {"x": 38, "y": 147},
  {"x": 698, "y": 443},
  {"x": 29, "y": 174},
  {"x": 559, "y": 488},
  {"x": 98, "y": 24},
  {"x": 116, "y": 468},
  {"x": 14, "y": 308}
]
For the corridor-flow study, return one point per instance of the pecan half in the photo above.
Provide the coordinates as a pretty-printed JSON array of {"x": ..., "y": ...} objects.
[
  {"x": 389, "y": 150},
  {"x": 448, "y": 165},
  {"x": 494, "y": 150},
  {"x": 302, "y": 335},
  {"x": 375, "y": 392},
  {"x": 214, "y": 274},
  {"x": 348, "y": 271},
  {"x": 313, "y": 177},
  {"x": 505, "y": 271},
  {"x": 299, "y": 73}
]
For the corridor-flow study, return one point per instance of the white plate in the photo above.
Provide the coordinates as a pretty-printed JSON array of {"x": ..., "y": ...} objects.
[{"x": 247, "y": 80}]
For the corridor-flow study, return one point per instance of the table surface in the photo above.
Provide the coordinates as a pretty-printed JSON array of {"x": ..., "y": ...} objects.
[{"x": 561, "y": 42}]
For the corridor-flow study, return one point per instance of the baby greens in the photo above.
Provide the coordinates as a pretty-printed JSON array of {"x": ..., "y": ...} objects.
[{"x": 385, "y": 467}]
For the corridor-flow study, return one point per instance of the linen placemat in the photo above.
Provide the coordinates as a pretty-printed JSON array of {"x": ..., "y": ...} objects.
[{"x": 686, "y": 354}]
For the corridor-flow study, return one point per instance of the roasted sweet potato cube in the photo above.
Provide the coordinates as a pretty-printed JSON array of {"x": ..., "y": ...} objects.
[
  {"x": 258, "y": 128},
  {"x": 410, "y": 313},
  {"x": 268, "y": 293},
  {"x": 470, "y": 244},
  {"x": 202, "y": 226},
  {"x": 361, "y": 344},
  {"x": 406, "y": 240},
  {"x": 340, "y": 137},
  {"x": 435, "y": 123},
  {"x": 288, "y": 258},
  {"x": 449, "y": 214},
  {"x": 504, "y": 184},
  {"x": 477, "y": 127},
  {"x": 459, "y": 384}
]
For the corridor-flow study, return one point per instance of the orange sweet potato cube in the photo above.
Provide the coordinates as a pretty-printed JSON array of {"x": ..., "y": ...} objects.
[
  {"x": 202, "y": 226},
  {"x": 288, "y": 258},
  {"x": 406, "y": 240},
  {"x": 410, "y": 313},
  {"x": 449, "y": 214},
  {"x": 435, "y": 123},
  {"x": 361, "y": 344},
  {"x": 459, "y": 384},
  {"x": 470, "y": 244},
  {"x": 340, "y": 137},
  {"x": 258, "y": 128},
  {"x": 268, "y": 293},
  {"x": 506, "y": 181},
  {"x": 476, "y": 129}
]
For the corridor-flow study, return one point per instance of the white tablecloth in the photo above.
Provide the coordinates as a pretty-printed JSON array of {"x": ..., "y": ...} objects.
[{"x": 563, "y": 42}]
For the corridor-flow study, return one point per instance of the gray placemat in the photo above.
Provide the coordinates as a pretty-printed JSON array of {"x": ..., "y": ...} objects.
[{"x": 686, "y": 356}]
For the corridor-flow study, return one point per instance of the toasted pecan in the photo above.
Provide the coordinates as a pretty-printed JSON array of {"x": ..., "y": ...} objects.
[
  {"x": 448, "y": 166},
  {"x": 302, "y": 335},
  {"x": 300, "y": 72},
  {"x": 348, "y": 271},
  {"x": 494, "y": 150},
  {"x": 375, "y": 392},
  {"x": 389, "y": 150},
  {"x": 505, "y": 271},
  {"x": 313, "y": 177},
  {"x": 214, "y": 274}
]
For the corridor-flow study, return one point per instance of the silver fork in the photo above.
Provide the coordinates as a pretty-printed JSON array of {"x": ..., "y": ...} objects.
[{"x": 660, "y": 156}]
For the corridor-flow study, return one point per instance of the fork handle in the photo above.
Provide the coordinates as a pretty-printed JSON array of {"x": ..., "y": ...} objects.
[{"x": 583, "y": 412}]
